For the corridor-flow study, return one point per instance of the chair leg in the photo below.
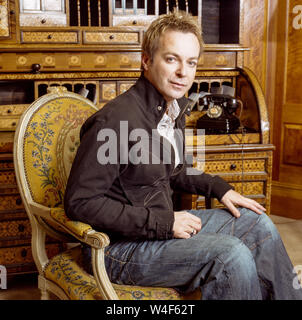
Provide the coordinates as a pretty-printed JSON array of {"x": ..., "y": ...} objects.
[
  {"x": 44, "y": 294},
  {"x": 42, "y": 287}
]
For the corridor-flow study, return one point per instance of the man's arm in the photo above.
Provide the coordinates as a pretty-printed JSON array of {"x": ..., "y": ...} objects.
[{"x": 86, "y": 199}]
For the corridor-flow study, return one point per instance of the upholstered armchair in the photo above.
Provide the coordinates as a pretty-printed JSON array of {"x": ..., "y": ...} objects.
[{"x": 45, "y": 144}]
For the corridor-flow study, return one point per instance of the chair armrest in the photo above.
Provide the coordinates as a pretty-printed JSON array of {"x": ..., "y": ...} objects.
[{"x": 82, "y": 231}]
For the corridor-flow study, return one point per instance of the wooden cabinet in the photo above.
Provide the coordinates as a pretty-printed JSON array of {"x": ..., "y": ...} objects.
[
  {"x": 42, "y": 13},
  {"x": 94, "y": 48}
]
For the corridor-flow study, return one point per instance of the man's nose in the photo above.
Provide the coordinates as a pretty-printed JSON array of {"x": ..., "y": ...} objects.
[{"x": 181, "y": 70}]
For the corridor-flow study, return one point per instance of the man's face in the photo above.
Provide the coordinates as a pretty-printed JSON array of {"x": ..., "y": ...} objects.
[{"x": 173, "y": 68}]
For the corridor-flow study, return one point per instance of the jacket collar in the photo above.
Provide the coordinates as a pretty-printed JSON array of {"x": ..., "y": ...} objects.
[{"x": 153, "y": 99}]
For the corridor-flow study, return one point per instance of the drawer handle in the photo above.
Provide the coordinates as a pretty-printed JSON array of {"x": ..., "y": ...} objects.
[
  {"x": 134, "y": 22},
  {"x": 13, "y": 124},
  {"x": 111, "y": 36},
  {"x": 23, "y": 253},
  {"x": 49, "y": 36},
  {"x": 21, "y": 227},
  {"x": 233, "y": 166},
  {"x": 43, "y": 21},
  {"x": 9, "y": 111}
]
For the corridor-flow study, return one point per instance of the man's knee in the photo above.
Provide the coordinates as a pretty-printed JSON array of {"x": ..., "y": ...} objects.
[{"x": 262, "y": 223}]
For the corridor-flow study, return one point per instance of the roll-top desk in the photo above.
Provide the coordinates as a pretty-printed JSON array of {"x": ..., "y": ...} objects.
[{"x": 94, "y": 48}]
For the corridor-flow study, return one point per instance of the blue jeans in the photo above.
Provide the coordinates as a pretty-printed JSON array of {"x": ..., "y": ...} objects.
[{"x": 230, "y": 258}]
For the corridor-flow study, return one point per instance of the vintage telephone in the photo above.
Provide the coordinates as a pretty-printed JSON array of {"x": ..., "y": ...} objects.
[{"x": 221, "y": 106}]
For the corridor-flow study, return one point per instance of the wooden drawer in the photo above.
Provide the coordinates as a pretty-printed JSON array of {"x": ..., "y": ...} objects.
[
  {"x": 9, "y": 123},
  {"x": 12, "y": 110},
  {"x": 7, "y": 178},
  {"x": 49, "y": 37},
  {"x": 16, "y": 229},
  {"x": 232, "y": 166},
  {"x": 10, "y": 202},
  {"x": 19, "y": 259},
  {"x": 217, "y": 60},
  {"x": 114, "y": 37},
  {"x": 42, "y": 19}
]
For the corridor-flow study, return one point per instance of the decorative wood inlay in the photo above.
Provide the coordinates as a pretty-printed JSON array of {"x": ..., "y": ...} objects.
[
  {"x": 16, "y": 228},
  {"x": 49, "y": 37},
  {"x": 232, "y": 166},
  {"x": 9, "y": 124},
  {"x": 12, "y": 110},
  {"x": 111, "y": 37},
  {"x": 8, "y": 177},
  {"x": 108, "y": 91},
  {"x": 74, "y": 61},
  {"x": 100, "y": 60},
  {"x": 49, "y": 61},
  {"x": 22, "y": 254}
]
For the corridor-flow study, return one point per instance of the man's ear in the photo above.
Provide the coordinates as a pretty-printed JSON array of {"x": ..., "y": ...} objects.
[{"x": 145, "y": 61}]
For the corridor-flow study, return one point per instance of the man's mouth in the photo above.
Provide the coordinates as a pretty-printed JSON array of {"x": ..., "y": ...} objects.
[{"x": 177, "y": 84}]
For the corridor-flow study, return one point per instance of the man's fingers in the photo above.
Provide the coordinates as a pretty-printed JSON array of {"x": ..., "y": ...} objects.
[
  {"x": 233, "y": 209},
  {"x": 254, "y": 206}
]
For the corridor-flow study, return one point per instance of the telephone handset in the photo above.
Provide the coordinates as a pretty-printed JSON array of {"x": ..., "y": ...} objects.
[{"x": 220, "y": 116}]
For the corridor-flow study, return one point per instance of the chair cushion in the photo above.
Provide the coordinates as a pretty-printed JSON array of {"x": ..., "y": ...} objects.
[{"x": 65, "y": 270}]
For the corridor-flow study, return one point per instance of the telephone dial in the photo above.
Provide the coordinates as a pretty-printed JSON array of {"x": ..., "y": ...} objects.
[{"x": 220, "y": 107}]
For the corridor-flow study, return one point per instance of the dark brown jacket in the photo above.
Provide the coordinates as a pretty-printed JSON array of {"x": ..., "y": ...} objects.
[{"x": 131, "y": 200}]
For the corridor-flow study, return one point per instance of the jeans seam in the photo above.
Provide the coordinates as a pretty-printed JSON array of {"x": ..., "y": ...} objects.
[
  {"x": 227, "y": 276},
  {"x": 248, "y": 231},
  {"x": 256, "y": 244}
]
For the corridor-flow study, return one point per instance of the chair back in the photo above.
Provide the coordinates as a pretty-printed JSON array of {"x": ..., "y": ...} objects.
[
  {"x": 47, "y": 138},
  {"x": 46, "y": 142}
]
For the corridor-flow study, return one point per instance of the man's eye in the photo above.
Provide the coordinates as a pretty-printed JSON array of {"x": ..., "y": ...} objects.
[
  {"x": 170, "y": 59},
  {"x": 192, "y": 63}
]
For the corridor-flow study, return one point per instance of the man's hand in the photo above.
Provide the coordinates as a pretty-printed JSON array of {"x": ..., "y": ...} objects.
[
  {"x": 185, "y": 224},
  {"x": 232, "y": 198}
]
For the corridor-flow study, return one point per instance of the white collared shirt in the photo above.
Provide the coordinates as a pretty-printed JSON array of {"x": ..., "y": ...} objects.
[{"x": 166, "y": 126}]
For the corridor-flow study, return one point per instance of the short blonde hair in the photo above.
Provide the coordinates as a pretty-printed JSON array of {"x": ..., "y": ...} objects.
[{"x": 177, "y": 21}]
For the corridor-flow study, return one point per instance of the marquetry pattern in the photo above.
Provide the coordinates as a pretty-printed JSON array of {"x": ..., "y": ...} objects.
[
  {"x": 7, "y": 177},
  {"x": 15, "y": 229},
  {"x": 111, "y": 37},
  {"x": 232, "y": 166},
  {"x": 4, "y": 23},
  {"x": 11, "y": 110},
  {"x": 110, "y": 90},
  {"x": 8, "y": 123},
  {"x": 22, "y": 254},
  {"x": 11, "y": 202},
  {"x": 49, "y": 37}
]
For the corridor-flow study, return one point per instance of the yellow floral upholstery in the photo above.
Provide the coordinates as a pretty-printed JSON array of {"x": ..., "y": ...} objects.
[
  {"x": 65, "y": 269},
  {"x": 53, "y": 133}
]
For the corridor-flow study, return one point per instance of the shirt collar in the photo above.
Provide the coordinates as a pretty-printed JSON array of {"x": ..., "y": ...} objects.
[{"x": 154, "y": 100}]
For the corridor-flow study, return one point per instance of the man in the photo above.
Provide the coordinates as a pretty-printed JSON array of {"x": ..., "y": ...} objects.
[{"x": 229, "y": 254}]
